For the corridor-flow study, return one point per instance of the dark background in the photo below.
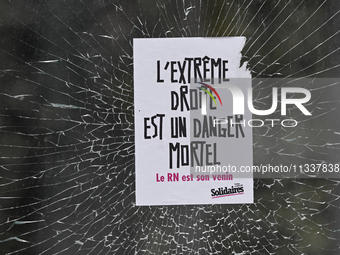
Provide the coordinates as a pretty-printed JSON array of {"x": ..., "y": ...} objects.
[{"x": 67, "y": 134}]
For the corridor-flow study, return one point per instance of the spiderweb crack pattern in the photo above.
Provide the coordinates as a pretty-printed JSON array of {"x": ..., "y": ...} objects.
[{"x": 67, "y": 135}]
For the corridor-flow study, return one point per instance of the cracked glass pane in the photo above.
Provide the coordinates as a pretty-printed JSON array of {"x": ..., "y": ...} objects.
[{"x": 67, "y": 175}]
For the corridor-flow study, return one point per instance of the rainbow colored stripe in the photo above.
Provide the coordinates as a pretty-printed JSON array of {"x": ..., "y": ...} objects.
[{"x": 213, "y": 90}]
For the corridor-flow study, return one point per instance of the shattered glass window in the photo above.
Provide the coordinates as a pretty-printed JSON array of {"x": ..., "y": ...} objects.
[{"x": 67, "y": 176}]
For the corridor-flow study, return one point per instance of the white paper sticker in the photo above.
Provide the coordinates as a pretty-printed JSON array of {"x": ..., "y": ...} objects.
[{"x": 190, "y": 137}]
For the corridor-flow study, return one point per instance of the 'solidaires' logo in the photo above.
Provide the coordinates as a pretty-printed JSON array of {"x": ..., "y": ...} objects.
[
  {"x": 238, "y": 99},
  {"x": 236, "y": 189}
]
